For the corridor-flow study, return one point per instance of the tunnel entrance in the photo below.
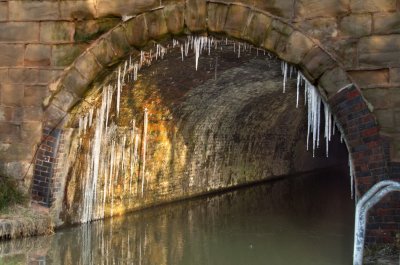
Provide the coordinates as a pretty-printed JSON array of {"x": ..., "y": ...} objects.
[{"x": 170, "y": 132}]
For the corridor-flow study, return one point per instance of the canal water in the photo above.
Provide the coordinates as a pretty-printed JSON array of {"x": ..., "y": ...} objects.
[{"x": 300, "y": 220}]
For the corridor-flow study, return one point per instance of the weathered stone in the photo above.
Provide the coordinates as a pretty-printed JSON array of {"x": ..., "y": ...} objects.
[
  {"x": 16, "y": 152},
  {"x": 379, "y": 50},
  {"x": 11, "y": 54},
  {"x": 121, "y": 8},
  {"x": 345, "y": 50},
  {"x": 385, "y": 118},
  {"x": 386, "y": 23},
  {"x": 334, "y": 80},
  {"x": 317, "y": 8},
  {"x": 65, "y": 54},
  {"x": 278, "y": 8},
  {"x": 174, "y": 17},
  {"x": 383, "y": 98},
  {"x": 236, "y": 20},
  {"x": 356, "y": 25},
  {"x": 79, "y": 10},
  {"x": 373, "y": 78},
  {"x": 64, "y": 100},
  {"x": 56, "y": 31},
  {"x": 119, "y": 43},
  {"x": 31, "y": 131},
  {"x": 33, "y": 10},
  {"x": 48, "y": 75},
  {"x": 23, "y": 75},
  {"x": 271, "y": 40},
  {"x": 137, "y": 31},
  {"x": 34, "y": 95},
  {"x": 19, "y": 31},
  {"x": 196, "y": 15},
  {"x": 53, "y": 116},
  {"x": 10, "y": 132},
  {"x": 37, "y": 55},
  {"x": 88, "y": 30},
  {"x": 11, "y": 95},
  {"x": 317, "y": 62},
  {"x": 4, "y": 75},
  {"x": 104, "y": 52},
  {"x": 3, "y": 11},
  {"x": 296, "y": 47},
  {"x": 16, "y": 170},
  {"x": 283, "y": 28},
  {"x": 256, "y": 30},
  {"x": 6, "y": 114},
  {"x": 88, "y": 66},
  {"x": 397, "y": 119},
  {"x": 32, "y": 113},
  {"x": 216, "y": 17},
  {"x": 321, "y": 28},
  {"x": 74, "y": 82},
  {"x": 156, "y": 24},
  {"x": 364, "y": 6}
]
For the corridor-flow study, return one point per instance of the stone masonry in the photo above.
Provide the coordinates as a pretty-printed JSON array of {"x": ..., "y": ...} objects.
[{"x": 54, "y": 50}]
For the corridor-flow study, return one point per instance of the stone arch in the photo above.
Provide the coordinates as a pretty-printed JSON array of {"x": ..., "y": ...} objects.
[{"x": 241, "y": 22}]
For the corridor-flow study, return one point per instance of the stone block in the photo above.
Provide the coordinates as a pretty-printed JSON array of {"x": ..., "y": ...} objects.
[
  {"x": 34, "y": 95},
  {"x": 345, "y": 50},
  {"x": 156, "y": 24},
  {"x": 33, "y": 10},
  {"x": 119, "y": 43},
  {"x": 56, "y": 32},
  {"x": 64, "y": 100},
  {"x": 88, "y": 30},
  {"x": 256, "y": 30},
  {"x": 4, "y": 76},
  {"x": 372, "y": 78},
  {"x": 367, "y": 6},
  {"x": 386, "y": 23},
  {"x": 12, "y": 54},
  {"x": 48, "y": 75},
  {"x": 3, "y": 11},
  {"x": 77, "y": 10},
  {"x": 296, "y": 47},
  {"x": 16, "y": 170},
  {"x": 236, "y": 20},
  {"x": 107, "y": 8},
  {"x": 31, "y": 130},
  {"x": 385, "y": 118},
  {"x": 37, "y": 55},
  {"x": 196, "y": 15},
  {"x": 379, "y": 50},
  {"x": 10, "y": 132},
  {"x": 65, "y": 54},
  {"x": 136, "y": 31},
  {"x": 321, "y": 28},
  {"x": 174, "y": 18},
  {"x": 23, "y": 75},
  {"x": 53, "y": 116},
  {"x": 6, "y": 114},
  {"x": 75, "y": 83},
  {"x": 11, "y": 95},
  {"x": 383, "y": 98},
  {"x": 19, "y": 31},
  {"x": 334, "y": 80},
  {"x": 87, "y": 65},
  {"x": 356, "y": 25},
  {"x": 318, "y": 8},
  {"x": 283, "y": 9},
  {"x": 216, "y": 16},
  {"x": 103, "y": 52},
  {"x": 271, "y": 40},
  {"x": 32, "y": 113},
  {"x": 316, "y": 62}
]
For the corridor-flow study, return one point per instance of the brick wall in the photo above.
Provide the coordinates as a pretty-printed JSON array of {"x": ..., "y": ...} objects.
[{"x": 43, "y": 183}]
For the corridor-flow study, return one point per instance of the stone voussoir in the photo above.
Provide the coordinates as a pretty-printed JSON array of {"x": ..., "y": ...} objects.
[
  {"x": 236, "y": 20},
  {"x": 87, "y": 65},
  {"x": 156, "y": 24},
  {"x": 256, "y": 30},
  {"x": 196, "y": 15},
  {"x": 333, "y": 81},
  {"x": 216, "y": 16},
  {"x": 137, "y": 31},
  {"x": 316, "y": 62}
]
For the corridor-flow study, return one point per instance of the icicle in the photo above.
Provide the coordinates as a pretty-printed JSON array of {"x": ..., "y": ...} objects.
[
  {"x": 118, "y": 90},
  {"x": 197, "y": 51},
  {"x": 144, "y": 144},
  {"x": 182, "y": 52},
  {"x": 298, "y": 89},
  {"x": 91, "y": 116},
  {"x": 135, "y": 71},
  {"x": 284, "y": 72},
  {"x": 351, "y": 167},
  {"x": 239, "y": 50}
]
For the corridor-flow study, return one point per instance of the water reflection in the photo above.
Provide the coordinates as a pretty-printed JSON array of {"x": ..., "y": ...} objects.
[{"x": 301, "y": 220}]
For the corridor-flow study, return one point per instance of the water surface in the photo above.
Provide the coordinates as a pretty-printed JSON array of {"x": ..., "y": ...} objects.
[{"x": 302, "y": 220}]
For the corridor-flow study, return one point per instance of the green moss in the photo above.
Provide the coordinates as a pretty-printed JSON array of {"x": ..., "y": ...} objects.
[{"x": 10, "y": 194}]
